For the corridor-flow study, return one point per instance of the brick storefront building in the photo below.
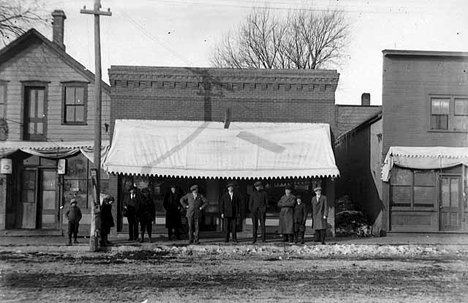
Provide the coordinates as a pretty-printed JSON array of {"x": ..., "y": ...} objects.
[{"x": 226, "y": 96}]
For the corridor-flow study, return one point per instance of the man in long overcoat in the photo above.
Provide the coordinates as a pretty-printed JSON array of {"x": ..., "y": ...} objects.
[
  {"x": 229, "y": 207},
  {"x": 146, "y": 214},
  {"x": 173, "y": 211},
  {"x": 319, "y": 215},
  {"x": 257, "y": 205},
  {"x": 130, "y": 211},
  {"x": 286, "y": 215},
  {"x": 194, "y": 202}
]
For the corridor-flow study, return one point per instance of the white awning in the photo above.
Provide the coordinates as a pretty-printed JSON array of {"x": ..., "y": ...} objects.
[
  {"x": 53, "y": 149},
  {"x": 434, "y": 157},
  {"x": 208, "y": 150}
]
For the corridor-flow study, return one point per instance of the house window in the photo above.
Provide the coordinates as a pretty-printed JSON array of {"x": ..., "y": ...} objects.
[
  {"x": 440, "y": 111},
  {"x": 3, "y": 95},
  {"x": 461, "y": 107},
  {"x": 413, "y": 189},
  {"x": 74, "y": 102},
  {"x": 449, "y": 113}
]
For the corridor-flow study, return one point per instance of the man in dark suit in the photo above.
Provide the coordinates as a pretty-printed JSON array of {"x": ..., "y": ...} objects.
[
  {"x": 257, "y": 205},
  {"x": 229, "y": 206},
  {"x": 194, "y": 202},
  {"x": 319, "y": 215},
  {"x": 131, "y": 206}
]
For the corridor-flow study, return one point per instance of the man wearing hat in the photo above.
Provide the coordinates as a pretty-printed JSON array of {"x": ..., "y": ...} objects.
[
  {"x": 319, "y": 215},
  {"x": 286, "y": 215},
  {"x": 194, "y": 202},
  {"x": 229, "y": 207},
  {"x": 173, "y": 212},
  {"x": 258, "y": 203},
  {"x": 131, "y": 206},
  {"x": 107, "y": 220},
  {"x": 73, "y": 215}
]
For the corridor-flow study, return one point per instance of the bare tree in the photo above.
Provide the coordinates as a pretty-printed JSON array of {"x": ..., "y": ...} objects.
[
  {"x": 17, "y": 16},
  {"x": 304, "y": 39}
]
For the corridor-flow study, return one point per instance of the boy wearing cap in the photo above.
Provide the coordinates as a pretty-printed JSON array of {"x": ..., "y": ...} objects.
[
  {"x": 257, "y": 206},
  {"x": 300, "y": 218},
  {"x": 319, "y": 215},
  {"x": 229, "y": 206},
  {"x": 194, "y": 202},
  {"x": 74, "y": 216}
]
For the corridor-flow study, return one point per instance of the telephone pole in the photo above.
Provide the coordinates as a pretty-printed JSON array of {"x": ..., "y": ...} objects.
[{"x": 93, "y": 242}]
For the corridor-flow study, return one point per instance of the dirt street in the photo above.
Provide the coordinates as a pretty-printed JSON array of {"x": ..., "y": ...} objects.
[{"x": 242, "y": 273}]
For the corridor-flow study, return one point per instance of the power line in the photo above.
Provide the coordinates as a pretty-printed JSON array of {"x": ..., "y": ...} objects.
[{"x": 156, "y": 39}]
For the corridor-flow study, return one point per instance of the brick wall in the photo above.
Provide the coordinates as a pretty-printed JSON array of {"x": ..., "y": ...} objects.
[{"x": 206, "y": 94}]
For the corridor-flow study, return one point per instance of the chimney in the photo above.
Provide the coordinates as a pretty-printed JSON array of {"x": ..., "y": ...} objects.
[
  {"x": 58, "y": 28},
  {"x": 365, "y": 99}
]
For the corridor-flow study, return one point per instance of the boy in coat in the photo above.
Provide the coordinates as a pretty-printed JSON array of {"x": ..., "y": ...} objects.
[
  {"x": 194, "y": 202},
  {"x": 74, "y": 216},
  {"x": 300, "y": 218},
  {"x": 229, "y": 206},
  {"x": 319, "y": 215},
  {"x": 146, "y": 214}
]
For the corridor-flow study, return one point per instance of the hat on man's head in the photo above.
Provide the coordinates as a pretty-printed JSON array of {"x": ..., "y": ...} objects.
[
  {"x": 193, "y": 187},
  {"x": 258, "y": 183},
  {"x": 288, "y": 186},
  {"x": 73, "y": 200},
  {"x": 298, "y": 197},
  {"x": 231, "y": 184},
  {"x": 132, "y": 187},
  {"x": 318, "y": 188},
  {"x": 173, "y": 186}
]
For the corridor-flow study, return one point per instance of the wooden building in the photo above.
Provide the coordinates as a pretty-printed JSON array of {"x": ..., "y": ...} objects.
[
  {"x": 47, "y": 132},
  {"x": 425, "y": 141}
]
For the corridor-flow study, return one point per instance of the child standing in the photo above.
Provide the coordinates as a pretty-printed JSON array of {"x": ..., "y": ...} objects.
[
  {"x": 74, "y": 216},
  {"x": 300, "y": 217}
]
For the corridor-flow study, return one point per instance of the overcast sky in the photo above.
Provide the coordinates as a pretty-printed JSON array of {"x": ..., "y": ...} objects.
[{"x": 183, "y": 32}]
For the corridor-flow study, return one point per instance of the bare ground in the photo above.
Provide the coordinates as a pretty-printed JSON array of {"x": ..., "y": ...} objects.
[{"x": 339, "y": 273}]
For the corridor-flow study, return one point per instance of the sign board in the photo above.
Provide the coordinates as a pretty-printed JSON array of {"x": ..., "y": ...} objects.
[
  {"x": 6, "y": 166},
  {"x": 62, "y": 166}
]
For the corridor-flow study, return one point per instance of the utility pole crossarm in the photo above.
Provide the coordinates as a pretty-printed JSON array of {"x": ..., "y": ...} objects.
[{"x": 95, "y": 12}]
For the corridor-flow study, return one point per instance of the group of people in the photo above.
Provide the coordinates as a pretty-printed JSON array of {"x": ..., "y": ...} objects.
[
  {"x": 104, "y": 222},
  {"x": 293, "y": 214},
  {"x": 140, "y": 212},
  {"x": 292, "y": 219}
]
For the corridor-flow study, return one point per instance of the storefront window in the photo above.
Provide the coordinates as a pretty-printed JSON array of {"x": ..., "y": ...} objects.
[
  {"x": 77, "y": 181},
  {"x": 413, "y": 189}
]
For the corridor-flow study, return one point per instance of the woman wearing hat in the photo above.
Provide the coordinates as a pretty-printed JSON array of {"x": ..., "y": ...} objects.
[
  {"x": 286, "y": 216},
  {"x": 319, "y": 215},
  {"x": 107, "y": 220},
  {"x": 229, "y": 207},
  {"x": 194, "y": 202}
]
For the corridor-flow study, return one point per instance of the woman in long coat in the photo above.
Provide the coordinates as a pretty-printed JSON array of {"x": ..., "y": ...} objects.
[
  {"x": 173, "y": 211},
  {"x": 319, "y": 215},
  {"x": 107, "y": 220},
  {"x": 286, "y": 216}
]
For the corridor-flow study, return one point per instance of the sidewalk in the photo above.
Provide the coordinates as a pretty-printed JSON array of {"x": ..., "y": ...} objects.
[{"x": 59, "y": 243}]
